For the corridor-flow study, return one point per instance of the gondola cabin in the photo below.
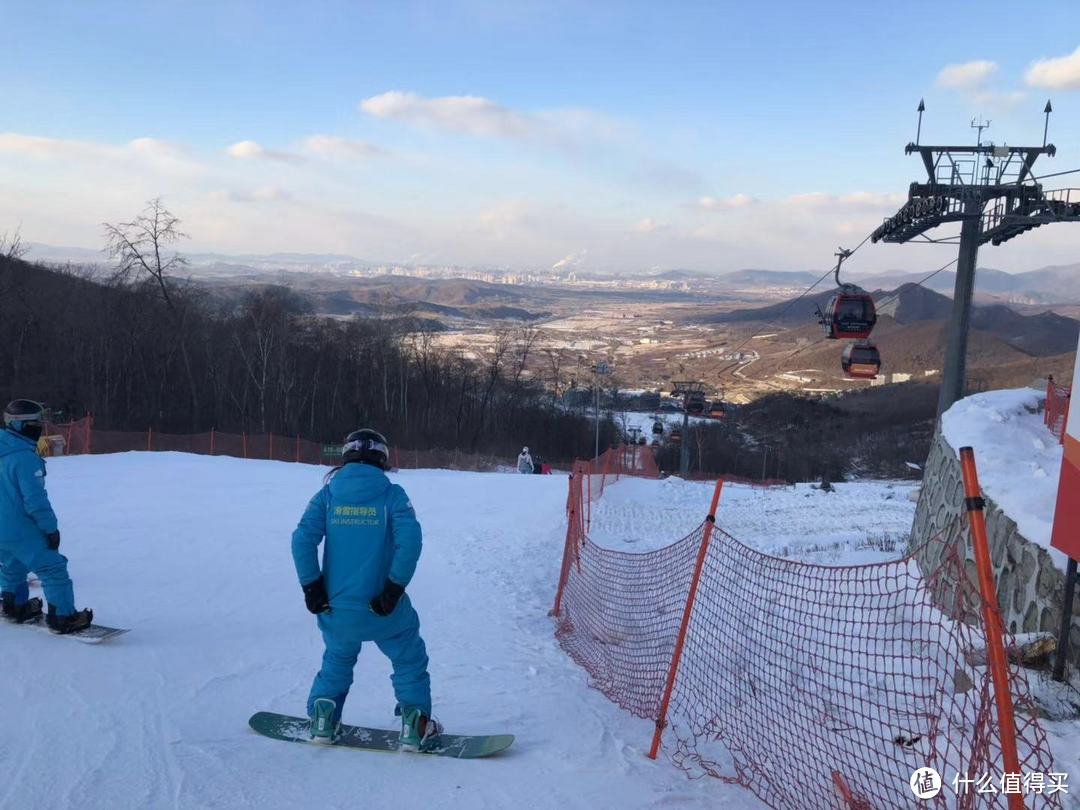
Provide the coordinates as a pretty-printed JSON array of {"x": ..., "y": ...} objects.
[
  {"x": 861, "y": 361},
  {"x": 850, "y": 314},
  {"x": 716, "y": 410},
  {"x": 695, "y": 403},
  {"x": 657, "y": 428}
]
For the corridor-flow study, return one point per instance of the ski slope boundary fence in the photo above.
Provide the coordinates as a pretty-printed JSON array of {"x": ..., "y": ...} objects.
[
  {"x": 812, "y": 686},
  {"x": 1056, "y": 414},
  {"x": 82, "y": 437}
]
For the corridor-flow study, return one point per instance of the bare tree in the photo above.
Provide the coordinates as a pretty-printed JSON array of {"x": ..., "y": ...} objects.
[
  {"x": 141, "y": 248},
  {"x": 555, "y": 364},
  {"x": 11, "y": 247}
]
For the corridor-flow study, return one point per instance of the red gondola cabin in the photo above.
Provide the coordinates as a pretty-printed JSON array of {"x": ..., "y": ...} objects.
[
  {"x": 850, "y": 314},
  {"x": 861, "y": 360}
]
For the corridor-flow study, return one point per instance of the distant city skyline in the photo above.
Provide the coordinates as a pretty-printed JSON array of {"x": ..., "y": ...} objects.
[{"x": 606, "y": 136}]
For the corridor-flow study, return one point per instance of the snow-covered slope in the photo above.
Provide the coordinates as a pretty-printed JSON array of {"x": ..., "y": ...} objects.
[
  {"x": 859, "y": 522},
  {"x": 1018, "y": 459},
  {"x": 192, "y": 553}
]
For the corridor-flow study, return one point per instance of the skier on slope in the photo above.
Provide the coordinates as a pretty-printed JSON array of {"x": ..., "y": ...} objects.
[
  {"x": 373, "y": 542},
  {"x": 524, "y": 462},
  {"x": 29, "y": 537}
]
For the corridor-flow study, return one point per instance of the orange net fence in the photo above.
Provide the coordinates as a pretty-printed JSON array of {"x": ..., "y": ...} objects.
[
  {"x": 812, "y": 686},
  {"x": 1056, "y": 414},
  {"x": 81, "y": 437}
]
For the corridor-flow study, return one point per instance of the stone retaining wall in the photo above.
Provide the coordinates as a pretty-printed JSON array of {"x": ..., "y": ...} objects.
[{"x": 1030, "y": 585}]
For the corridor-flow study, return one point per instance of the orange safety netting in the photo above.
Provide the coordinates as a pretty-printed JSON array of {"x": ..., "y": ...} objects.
[
  {"x": 1056, "y": 415},
  {"x": 81, "y": 437},
  {"x": 812, "y": 686}
]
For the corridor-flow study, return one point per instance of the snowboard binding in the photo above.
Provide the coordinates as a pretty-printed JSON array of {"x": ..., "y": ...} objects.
[
  {"x": 418, "y": 731},
  {"x": 324, "y": 728},
  {"x": 62, "y": 625},
  {"x": 28, "y": 611}
]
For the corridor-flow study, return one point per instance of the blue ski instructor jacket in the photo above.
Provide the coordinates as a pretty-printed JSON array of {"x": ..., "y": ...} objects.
[
  {"x": 371, "y": 534},
  {"x": 25, "y": 513}
]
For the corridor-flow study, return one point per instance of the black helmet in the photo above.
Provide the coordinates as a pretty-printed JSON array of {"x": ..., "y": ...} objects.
[
  {"x": 367, "y": 446},
  {"x": 25, "y": 417}
]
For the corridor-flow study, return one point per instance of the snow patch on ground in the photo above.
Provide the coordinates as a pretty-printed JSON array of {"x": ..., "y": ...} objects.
[
  {"x": 859, "y": 522},
  {"x": 1018, "y": 458},
  {"x": 193, "y": 554}
]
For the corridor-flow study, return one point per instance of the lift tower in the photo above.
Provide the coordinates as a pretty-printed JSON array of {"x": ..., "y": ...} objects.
[
  {"x": 991, "y": 191},
  {"x": 689, "y": 391}
]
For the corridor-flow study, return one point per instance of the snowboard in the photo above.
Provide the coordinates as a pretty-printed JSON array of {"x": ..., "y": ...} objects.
[
  {"x": 94, "y": 634},
  {"x": 298, "y": 729}
]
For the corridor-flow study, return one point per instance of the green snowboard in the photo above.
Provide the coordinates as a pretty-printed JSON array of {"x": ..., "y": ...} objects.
[{"x": 298, "y": 729}]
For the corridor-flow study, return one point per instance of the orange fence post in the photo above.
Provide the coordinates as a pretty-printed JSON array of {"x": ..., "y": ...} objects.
[
  {"x": 149, "y": 435},
  {"x": 992, "y": 625},
  {"x": 1065, "y": 417},
  {"x": 673, "y": 671},
  {"x": 573, "y": 509}
]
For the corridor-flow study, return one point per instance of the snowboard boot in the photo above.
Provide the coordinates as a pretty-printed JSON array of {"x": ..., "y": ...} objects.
[
  {"x": 418, "y": 731},
  {"x": 79, "y": 620},
  {"x": 324, "y": 728},
  {"x": 28, "y": 611}
]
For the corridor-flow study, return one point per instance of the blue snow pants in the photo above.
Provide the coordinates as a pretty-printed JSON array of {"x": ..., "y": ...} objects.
[
  {"x": 19, "y": 559},
  {"x": 345, "y": 630}
]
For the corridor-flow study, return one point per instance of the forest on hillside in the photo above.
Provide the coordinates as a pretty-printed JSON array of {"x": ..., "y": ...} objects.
[{"x": 143, "y": 350}]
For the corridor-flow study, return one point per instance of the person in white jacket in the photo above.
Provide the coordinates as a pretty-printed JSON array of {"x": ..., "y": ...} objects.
[{"x": 525, "y": 462}]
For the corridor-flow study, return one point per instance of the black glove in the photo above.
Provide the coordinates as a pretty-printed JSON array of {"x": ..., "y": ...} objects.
[
  {"x": 385, "y": 602},
  {"x": 315, "y": 596},
  {"x": 52, "y": 540}
]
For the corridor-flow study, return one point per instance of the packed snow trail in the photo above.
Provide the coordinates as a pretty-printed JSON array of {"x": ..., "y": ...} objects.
[{"x": 192, "y": 553}]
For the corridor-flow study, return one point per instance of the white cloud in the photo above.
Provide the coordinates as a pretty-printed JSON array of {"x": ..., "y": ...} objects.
[
  {"x": 648, "y": 225},
  {"x": 253, "y": 150},
  {"x": 968, "y": 75},
  {"x": 150, "y": 153},
  {"x": 469, "y": 115},
  {"x": 1061, "y": 73},
  {"x": 567, "y": 130},
  {"x": 332, "y": 146},
  {"x": 725, "y": 203}
]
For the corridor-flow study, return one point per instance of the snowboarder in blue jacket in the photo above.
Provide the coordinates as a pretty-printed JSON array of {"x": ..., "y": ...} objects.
[
  {"x": 29, "y": 536},
  {"x": 373, "y": 542}
]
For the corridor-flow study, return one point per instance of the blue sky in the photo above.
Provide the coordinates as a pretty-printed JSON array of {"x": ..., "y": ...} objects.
[{"x": 611, "y": 135}]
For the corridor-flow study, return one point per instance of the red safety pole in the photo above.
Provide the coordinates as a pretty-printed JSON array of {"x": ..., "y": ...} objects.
[
  {"x": 992, "y": 625},
  {"x": 245, "y": 444},
  {"x": 89, "y": 430},
  {"x": 149, "y": 434},
  {"x": 270, "y": 452},
  {"x": 673, "y": 670},
  {"x": 297, "y": 449},
  {"x": 211, "y": 441}
]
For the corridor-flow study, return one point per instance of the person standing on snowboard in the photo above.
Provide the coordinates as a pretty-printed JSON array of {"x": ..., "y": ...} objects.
[
  {"x": 29, "y": 537},
  {"x": 373, "y": 542}
]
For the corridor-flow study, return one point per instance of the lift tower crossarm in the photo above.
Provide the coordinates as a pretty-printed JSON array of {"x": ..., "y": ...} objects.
[{"x": 994, "y": 195}]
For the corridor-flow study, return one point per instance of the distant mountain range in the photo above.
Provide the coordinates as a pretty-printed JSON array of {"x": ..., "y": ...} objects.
[
  {"x": 1053, "y": 284},
  {"x": 1056, "y": 284}
]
